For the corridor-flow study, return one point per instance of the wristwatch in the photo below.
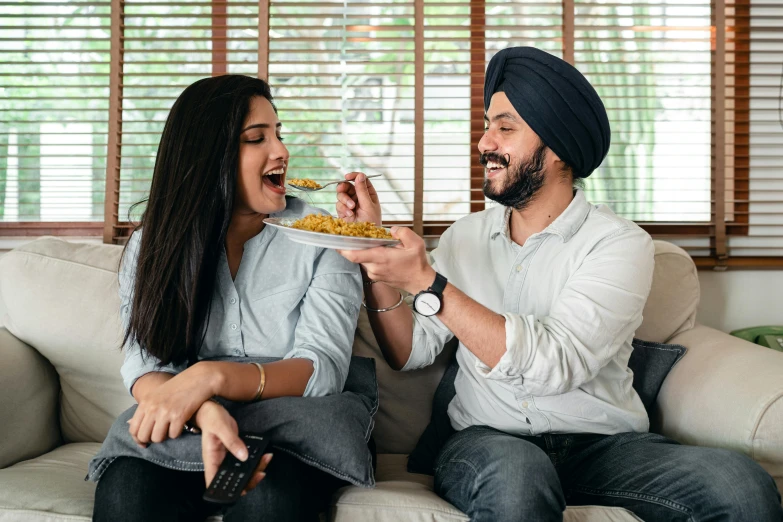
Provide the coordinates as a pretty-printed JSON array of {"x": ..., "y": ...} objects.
[{"x": 429, "y": 302}]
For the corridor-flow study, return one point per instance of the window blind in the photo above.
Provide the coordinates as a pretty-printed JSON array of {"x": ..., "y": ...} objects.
[
  {"x": 460, "y": 38},
  {"x": 54, "y": 91},
  {"x": 394, "y": 87},
  {"x": 343, "y": 78},
  {"x": 166, "y": 46},
  {"x": 651, "y": 63},
  {"x": 761, "y": 203}
]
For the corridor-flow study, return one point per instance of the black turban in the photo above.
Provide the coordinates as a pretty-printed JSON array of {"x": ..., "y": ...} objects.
[{"x": 556, "y": 101}]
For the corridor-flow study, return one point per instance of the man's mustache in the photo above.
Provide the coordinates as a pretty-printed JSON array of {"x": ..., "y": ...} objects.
[{"x": 494, "y": 157}]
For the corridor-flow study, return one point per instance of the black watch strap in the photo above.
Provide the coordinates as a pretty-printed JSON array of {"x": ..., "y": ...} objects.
[{"x": 439, "y": 285}]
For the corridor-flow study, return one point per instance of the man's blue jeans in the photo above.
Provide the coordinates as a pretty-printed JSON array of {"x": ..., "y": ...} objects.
[{"x": 494, "y": 476}]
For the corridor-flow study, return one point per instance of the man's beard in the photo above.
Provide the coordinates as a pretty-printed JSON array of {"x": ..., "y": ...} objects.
[{"x": 522, "y": 182}]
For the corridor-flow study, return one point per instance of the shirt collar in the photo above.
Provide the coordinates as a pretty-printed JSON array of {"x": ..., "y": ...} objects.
[
  {"x": 565, "y": 225},
  {"x": 501, "y": 223}
]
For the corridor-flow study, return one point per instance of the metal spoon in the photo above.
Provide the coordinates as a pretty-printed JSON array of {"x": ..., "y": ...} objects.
[{"x": 323, "y": 186}]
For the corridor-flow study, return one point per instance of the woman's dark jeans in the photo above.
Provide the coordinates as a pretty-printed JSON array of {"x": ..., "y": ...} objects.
[{"x": 133, "y": 489}]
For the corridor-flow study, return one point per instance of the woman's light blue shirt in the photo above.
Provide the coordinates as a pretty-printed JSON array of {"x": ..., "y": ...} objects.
[{"x": 287, "y": 300}]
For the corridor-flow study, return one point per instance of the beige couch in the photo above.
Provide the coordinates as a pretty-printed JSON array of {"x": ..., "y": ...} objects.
[{"x": 60, "y": 389}]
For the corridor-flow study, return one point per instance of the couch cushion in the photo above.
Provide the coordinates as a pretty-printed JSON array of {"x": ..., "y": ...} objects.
[
  {"x": 674, "y": 297},
  {"x": 398, "y": 495},
  {"x": 61, "y": 298},
  {"x": 30, "y": 394},
  {"x": 725, "y": 393},
  {"x": 50, "y": 488}
]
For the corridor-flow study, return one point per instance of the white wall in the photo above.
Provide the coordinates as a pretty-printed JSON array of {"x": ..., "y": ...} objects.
[{"x": 740, "y": 299}]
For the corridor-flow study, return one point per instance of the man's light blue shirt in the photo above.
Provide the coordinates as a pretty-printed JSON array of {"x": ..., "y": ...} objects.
[
  {"x": 288, "y": 300},
  {"x": 572, "y": 297}
]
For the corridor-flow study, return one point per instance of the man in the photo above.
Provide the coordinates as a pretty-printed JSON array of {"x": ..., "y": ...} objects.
[{"x": 544, "y": 293}]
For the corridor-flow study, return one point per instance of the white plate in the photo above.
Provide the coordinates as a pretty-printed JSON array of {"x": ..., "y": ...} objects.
[{"x": 321, "y": 239}]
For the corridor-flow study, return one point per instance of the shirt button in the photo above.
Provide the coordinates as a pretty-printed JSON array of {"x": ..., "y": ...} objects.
[
  {"x": 233, "y": 300},
  {"x": 233, "y": 326},
  {"x": 519, "y": 268},
  {"x": 525, "y": 404}
]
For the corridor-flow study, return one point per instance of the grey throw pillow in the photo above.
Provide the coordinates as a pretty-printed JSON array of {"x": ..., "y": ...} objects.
[
  {"x": 650, "y": 363},
  {"x": 330, "y": 433}
]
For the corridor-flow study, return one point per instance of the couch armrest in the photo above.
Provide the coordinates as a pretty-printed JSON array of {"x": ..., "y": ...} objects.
[
  {"x": 29, "y": 393},
  {"x": 725, "y": 392}
]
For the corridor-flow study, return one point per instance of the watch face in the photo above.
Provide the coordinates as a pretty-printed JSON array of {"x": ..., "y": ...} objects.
[{"x": 427, "y": 304}]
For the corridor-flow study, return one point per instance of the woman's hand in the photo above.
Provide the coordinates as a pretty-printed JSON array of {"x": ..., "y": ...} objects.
[
  {"x": 358, "y": 201},
  {"x": 163, "y": 411},
  {"x": 220, "y": 434}
]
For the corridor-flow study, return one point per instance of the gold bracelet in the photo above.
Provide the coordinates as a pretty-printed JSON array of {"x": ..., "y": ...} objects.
[
  {"x": 261, "y": 382},
  {"x": 377, "y": 310}
]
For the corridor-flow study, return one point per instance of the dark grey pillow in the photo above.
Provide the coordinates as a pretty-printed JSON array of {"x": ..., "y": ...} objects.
[
  {"x": 650, "y": 363},
  {"x": 329, "y": 433}
]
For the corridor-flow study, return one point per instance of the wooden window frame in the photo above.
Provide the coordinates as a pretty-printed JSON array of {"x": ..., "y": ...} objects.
[{"x": 737, "y": 35}]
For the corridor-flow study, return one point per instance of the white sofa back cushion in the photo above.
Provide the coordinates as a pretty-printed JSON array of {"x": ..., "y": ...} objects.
[
  {"x": 674, "y": 297},
  {"x": 61, "y": 298}
]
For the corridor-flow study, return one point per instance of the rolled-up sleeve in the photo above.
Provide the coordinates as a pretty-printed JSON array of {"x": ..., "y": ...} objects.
[
  {"x": 327, "y": 323},
  {"x": 137, "y": 361},
  {"x": 598, "y": 310},
  {"x": 429, "y": 333}
]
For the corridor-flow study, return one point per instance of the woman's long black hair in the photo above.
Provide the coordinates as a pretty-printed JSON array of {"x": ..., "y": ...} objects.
[{"x": 188, "y": 211}]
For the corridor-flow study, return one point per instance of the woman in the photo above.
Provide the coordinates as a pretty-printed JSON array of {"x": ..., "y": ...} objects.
[{"x": 203, "y": 278}]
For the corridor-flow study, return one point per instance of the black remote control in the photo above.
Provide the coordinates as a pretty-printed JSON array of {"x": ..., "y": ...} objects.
[{"x": 233, "y": 474}]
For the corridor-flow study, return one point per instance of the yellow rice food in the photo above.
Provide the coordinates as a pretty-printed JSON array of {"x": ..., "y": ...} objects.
[
  {"x": 331, "y": 225},
  {"x": 305, "y": 183}
]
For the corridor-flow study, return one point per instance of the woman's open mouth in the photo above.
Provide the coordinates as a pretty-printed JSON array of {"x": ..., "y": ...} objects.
[{"x": 275, "y": 180}]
